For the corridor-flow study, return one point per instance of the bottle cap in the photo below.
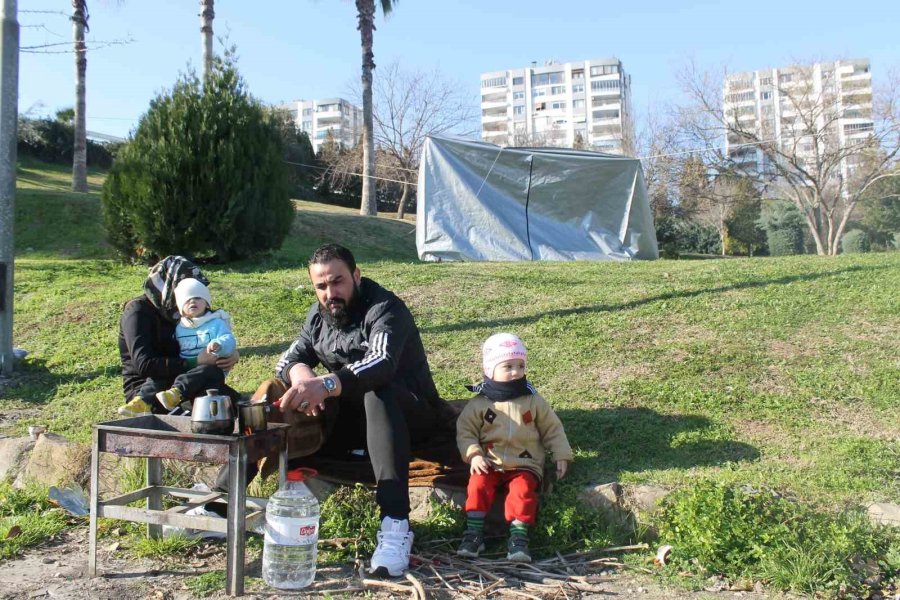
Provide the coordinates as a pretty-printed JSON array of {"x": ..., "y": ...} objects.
[{"x": 301, "y": 474}]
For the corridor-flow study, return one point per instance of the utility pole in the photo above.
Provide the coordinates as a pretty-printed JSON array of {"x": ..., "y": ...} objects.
[{"x": 9, "y": 101}]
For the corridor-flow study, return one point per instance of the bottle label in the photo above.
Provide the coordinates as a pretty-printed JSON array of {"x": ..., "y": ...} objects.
[{"x": 288, "y": 531}]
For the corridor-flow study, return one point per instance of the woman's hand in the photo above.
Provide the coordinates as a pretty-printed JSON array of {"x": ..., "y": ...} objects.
[
  {"x": 479, "y": 464},
  {"x": 562, "y": 467},
  {"x": 227, "y": 362}
]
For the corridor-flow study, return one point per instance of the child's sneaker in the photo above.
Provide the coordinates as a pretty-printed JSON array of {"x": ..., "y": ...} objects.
[
  {"x": 169, "y": 398},
  {"x": 136, "y": 407},
  {"x": 472, "y": 544},
  {"x": 518, "y": 548}
]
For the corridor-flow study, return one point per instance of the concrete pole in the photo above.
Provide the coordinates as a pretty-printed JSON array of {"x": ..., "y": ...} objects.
[{"x": 9, "y": 107}]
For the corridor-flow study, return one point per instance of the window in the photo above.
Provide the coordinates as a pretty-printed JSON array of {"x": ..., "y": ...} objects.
[
  {"x": 611, "y": 84},
  {"x": 765, "y": 95},
  {"x": 307, "y": 112},
  {"x": 578, "y": 88},
  {"x": 538, "y": 92},
  {"x": 765, "y": 81},
  {"x": 307, "y": 125},
  {"x": 518, "y": 81},
  {"x": 558, "y": 89},
  {"x": 518, "y": 95},
  {"x": 579, "y": 74},
  {"x": 494, "y": 82},
  {"x": 858, "y": 127},
  {"x": 740, "y": 97},
  {"x": 518, "y": 110},
  {"x": 578, "y": 104},
  {"x": 604, "y": 70},
  {"x": 785, "y": 78},
  {"x": 547, "y": 78},
  {"x": 558, "y": 105},
  {"x": 606, "y": 114}
]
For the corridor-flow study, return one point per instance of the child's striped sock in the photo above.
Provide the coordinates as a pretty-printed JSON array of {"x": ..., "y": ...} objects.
[
  {"x": 475, "y": 521},
  {"x": 519, "y": 528}
]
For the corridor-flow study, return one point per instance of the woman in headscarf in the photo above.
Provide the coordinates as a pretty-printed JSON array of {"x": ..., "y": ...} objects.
[{"x": 147, "y": 345}]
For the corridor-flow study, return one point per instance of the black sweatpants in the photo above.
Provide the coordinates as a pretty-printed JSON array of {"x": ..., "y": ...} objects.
[
  {"x": 191, "y": 384},
  {"x": 384, "y": 422}
]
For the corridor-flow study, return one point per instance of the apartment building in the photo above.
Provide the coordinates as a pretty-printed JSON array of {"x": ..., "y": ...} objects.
[
  {"x": 779, "y": 105},
  {"x": 584, "y": 104},
  {"x": 317, "y": 117}
]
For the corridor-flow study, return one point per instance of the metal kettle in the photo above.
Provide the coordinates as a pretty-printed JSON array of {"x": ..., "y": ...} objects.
[{"x": 212, "y": 414}]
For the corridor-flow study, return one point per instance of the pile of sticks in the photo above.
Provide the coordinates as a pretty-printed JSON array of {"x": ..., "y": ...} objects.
[{"x": 563, "y": 577}]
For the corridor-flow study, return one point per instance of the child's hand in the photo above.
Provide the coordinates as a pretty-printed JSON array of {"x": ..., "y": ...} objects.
[
  {"x": 479, "y": 465},
  {"x": 562, "y": 466},
  {"x": 213, "y": 347}
]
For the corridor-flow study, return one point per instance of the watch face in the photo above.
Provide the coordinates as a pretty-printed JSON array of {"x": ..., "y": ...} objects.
[{"x": 329, "y": 384}]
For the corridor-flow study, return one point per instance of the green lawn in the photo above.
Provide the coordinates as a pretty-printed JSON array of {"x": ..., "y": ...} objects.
[{"x": 779, "y": 372}]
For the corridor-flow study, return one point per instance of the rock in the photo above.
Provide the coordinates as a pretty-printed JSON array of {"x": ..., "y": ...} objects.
[
  {"x": 420, "y": 500},
  {"x": 606, "y": 497},
  {"x": 14, "y": 455},
  {"x": 55, "y": 461},
  {"x": 320, "y": 488},
  {"x": 645, "y": 498},
  {"x": 884, "y": 513}
]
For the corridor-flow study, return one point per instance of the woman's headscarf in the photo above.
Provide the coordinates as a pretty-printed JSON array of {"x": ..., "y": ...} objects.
[{"x": 164, "y": 276}]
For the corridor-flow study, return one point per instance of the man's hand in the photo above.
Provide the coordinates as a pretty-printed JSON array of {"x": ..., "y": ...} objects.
[
  {"x": 227, "y": 362},
  {"x": 479, "y": 464},
  {"x": 305, "y": 395},
  {"x": 205, "y": 358},
  {"x": 562, "y": 466}
]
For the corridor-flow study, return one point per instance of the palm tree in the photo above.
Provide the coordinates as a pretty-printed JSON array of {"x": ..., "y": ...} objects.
[
  {"x": 79, "y": 161},
  {"x": 366, "y": 15},
  {"x": 207, "y": 14}
]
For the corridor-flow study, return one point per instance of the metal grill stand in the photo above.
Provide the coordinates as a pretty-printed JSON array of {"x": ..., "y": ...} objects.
[{"x": 156, "y": 437}]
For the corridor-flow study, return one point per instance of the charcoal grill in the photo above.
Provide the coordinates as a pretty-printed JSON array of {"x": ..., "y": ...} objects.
[{"x": 156, "y": 437}]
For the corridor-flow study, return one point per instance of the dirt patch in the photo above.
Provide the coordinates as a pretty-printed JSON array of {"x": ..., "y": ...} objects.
[
  {"x": 78, "y": 313},
  {"x": 858, "y": 418},
  {"x": 59, "y": 570},
  {"x": 605, "y": 376}
]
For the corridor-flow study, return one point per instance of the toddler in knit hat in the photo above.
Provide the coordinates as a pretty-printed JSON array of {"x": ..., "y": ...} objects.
[
  {"x": 199, "y": 329},
  {"x": 504, "y": 434}
]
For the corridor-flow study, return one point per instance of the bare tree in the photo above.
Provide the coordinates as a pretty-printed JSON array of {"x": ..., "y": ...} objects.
[
  {"x": 815, "y": 165},
  {"x": 79, "y": 161},
  {"x": 661, "y": 159},
  {"x": 207, "y": 14},
  {"x": 408, "y": 107}
]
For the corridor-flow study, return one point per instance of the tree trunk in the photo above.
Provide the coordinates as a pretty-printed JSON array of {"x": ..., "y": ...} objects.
[
  {"x": 79, "y": 161},
  {"x": 207, "y": 14},
  {"x": 366, "y": 15},
  {"x": 401, "y": 209}
]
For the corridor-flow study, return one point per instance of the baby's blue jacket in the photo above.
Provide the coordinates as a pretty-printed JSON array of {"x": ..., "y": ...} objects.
[{"x": 211, "y": 327}]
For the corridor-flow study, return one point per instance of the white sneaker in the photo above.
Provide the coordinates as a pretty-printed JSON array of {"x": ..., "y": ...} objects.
[
  {"x": 169, "y": 530},
  {"x": 391, "y": 557}
]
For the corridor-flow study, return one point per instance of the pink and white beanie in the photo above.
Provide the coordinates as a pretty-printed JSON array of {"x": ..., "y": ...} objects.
[{"x": 500, "y": 347}]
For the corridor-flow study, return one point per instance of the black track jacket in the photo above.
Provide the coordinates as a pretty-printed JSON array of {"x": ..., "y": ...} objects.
[{"x": 381, "y": 344}]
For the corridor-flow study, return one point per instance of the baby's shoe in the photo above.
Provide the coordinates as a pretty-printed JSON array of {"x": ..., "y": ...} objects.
[
  {"x": 472, "y": 544},
  {"x": 169, "y": 398},
  {"x": 136, "y": 407},
  {"x": 518, "y": 548}
]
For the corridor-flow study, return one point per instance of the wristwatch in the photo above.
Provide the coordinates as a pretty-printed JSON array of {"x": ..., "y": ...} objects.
[{"x": 330, "y": 385}]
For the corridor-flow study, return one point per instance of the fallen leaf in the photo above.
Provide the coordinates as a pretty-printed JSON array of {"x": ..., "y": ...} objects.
[{"x": 14, "y": 531}]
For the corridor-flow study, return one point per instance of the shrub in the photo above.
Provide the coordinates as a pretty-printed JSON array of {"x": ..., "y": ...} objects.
[
  {"x": 784, "y": 242},
  {"x": 784, "y": 227},
  {"x": 855, "y": 241},
  {"x": 203, "y": 175},
  {"x": 667, "y": 237},
  {"x": 701, "y": 239},
  {"x": 723, "y": 529},
  {"x": 53, "y": 140}
]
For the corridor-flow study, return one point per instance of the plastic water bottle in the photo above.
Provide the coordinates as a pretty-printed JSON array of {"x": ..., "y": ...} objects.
[{"x": 292, "y": 533}]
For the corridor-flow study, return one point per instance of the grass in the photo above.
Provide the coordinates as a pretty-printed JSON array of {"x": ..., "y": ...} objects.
[
  {"x": 26, "y": 519},
  {"x": 774, "y": 372}
]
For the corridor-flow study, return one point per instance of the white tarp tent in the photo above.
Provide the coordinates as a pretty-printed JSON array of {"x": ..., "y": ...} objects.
[{"x": 478, "y": 201}]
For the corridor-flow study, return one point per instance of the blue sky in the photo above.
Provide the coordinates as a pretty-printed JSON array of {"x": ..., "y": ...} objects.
[{"x": 290, "y": 49}]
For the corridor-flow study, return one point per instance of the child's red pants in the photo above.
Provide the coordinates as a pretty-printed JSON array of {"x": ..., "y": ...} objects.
[{"x": 521, "y": 501}]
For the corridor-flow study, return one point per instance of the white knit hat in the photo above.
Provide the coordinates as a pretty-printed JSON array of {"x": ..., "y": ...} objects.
[
  {"x": 500, "y": 347},
  {"x": 191, "y": 288}
]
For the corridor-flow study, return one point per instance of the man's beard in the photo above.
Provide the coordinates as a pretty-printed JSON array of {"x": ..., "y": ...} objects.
[{"x": 339, "y": 314}]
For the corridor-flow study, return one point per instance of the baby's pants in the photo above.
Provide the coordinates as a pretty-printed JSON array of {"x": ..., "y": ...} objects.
[{"x": 521, "y": 501}]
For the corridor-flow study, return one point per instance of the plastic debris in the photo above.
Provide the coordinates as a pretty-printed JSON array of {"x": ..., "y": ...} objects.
[
  {"x": 662, "y": 555},
  {"x": 70, "y": 498}
]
